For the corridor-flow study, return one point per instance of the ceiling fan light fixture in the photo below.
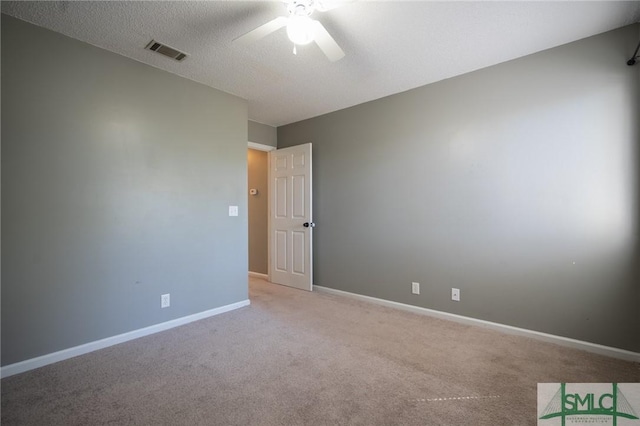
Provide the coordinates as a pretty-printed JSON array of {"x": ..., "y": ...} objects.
[{"x": 301, "y": 30}]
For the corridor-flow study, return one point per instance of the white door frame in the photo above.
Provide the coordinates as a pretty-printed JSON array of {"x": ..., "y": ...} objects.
[{"x": 260, "y": 147}]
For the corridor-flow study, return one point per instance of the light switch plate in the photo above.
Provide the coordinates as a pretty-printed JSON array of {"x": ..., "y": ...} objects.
[
  {"x": 165, "y": 300},
  {"x": 233, "y": 210},
  {"x": 455, "y": 294}
]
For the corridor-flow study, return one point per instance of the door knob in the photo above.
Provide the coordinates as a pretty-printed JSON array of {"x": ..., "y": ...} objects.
[{"x": 309, "y": 225}]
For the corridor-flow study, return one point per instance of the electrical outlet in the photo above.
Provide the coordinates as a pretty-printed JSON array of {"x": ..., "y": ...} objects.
[
  {"x": 455, "y": 294},
  {"x": 165, "y": 300},
  {"x": 415, "y": 288},
  {"x": 233, "y": 210}
]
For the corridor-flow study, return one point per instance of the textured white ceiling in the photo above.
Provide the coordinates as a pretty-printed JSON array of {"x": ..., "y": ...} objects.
[{"x": 390, "y": 46}]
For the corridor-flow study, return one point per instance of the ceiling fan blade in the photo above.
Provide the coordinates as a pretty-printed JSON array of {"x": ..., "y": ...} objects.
[
  {"x": 327, "y": 44},
  {"x": 261, "y": 31}
]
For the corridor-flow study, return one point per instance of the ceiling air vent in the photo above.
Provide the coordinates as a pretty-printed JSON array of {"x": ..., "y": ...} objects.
[{"x": 165, "y": 50}]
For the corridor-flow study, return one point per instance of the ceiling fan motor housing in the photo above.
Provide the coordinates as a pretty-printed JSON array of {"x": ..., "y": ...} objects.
[{"x": 300, "y": 7}]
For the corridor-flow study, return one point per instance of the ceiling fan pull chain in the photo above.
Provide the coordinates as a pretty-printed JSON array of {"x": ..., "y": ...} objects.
[{"x": 295, "y": 52}]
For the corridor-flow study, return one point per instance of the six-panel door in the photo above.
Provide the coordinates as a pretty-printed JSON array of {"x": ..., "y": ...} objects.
[{"x": 290, "y": 208}]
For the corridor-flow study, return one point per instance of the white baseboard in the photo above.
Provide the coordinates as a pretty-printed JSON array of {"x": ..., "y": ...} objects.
[
  {"x": 259, "y": 275},
  {"x": 559, "y": 340},
  {"x": 41, "y": 361}
]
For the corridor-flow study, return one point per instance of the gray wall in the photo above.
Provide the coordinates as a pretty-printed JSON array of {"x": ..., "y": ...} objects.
[
  {"x": 116, "y": 183},
  {"x": 518, "y": 184},
  {"x": 258, "y": 169},
  {"x": 262, "y": 134}
]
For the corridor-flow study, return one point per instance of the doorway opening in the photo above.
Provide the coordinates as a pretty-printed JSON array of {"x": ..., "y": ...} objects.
[
  {"x": 280, "y": 221},
  {"x": 257, "y": 206}
]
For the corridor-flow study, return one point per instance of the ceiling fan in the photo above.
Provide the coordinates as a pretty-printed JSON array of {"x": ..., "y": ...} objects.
[{"x": 301, "y": 29}]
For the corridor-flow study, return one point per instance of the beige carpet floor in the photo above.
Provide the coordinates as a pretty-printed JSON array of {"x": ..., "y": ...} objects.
[{"x": 295, "y": 358}]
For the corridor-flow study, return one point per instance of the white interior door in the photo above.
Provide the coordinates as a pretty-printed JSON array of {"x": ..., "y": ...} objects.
[{"x": 290, "y": 219}]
